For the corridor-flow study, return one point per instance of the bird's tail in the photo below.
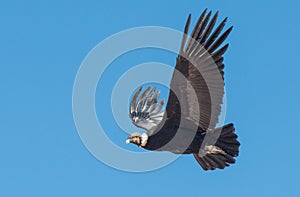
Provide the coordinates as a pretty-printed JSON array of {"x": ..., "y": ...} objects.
[{"x": 222, "y": 153}]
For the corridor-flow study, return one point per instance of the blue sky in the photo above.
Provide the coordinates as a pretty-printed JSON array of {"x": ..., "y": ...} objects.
[{"x": 42, "y": 46}]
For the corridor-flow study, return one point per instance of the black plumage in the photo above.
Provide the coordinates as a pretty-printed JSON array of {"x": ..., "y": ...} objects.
[{"x": 187, "y": 126}]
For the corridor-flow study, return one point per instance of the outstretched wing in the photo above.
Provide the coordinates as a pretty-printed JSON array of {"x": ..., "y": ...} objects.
[
  {"x": 145, "y": 110},
  {"x": 200, "y": 61}
]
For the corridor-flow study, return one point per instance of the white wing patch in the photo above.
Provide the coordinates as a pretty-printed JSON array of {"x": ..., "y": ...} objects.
[{"x": 145, "y": 110}]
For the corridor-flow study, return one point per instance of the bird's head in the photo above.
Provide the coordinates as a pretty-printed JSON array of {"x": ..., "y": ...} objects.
[{"x": 138, "y": 139}]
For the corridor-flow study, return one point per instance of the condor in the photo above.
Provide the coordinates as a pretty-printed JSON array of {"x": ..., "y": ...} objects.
[{"x": 188, "y": 124}]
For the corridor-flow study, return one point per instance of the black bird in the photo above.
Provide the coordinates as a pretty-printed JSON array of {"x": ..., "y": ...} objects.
[{"x": 187, "y": 126}]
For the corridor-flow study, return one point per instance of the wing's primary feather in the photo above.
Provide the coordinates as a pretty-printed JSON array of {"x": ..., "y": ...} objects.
[
  {"x": 145, "y": 110},
  {"x": 201, "y": 62}
]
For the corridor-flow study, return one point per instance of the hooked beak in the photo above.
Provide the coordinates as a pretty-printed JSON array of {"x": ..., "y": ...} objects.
[{"x": 127, "y": 141}]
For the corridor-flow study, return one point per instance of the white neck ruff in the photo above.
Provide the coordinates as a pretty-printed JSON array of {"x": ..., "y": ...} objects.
[{"x": 144, "y": 139}]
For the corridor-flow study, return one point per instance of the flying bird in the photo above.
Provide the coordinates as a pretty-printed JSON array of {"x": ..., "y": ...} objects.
[{"x": 188, "y": 124}]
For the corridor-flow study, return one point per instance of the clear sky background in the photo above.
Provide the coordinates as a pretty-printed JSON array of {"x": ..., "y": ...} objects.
[{"x": 42, "y": 44}]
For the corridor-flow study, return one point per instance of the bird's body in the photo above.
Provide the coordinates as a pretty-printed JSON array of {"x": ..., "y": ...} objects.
[
  {"x": 187, "y": 125},
  {"x": 160, "y": 142}
]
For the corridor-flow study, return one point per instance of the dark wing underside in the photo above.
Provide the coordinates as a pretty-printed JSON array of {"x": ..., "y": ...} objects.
[{"x": 200, "y": 62}]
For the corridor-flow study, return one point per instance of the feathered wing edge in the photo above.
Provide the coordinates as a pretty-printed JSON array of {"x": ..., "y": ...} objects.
[
  {"x": 209, "y": 39},
  {"x": 145, "y": 110}
]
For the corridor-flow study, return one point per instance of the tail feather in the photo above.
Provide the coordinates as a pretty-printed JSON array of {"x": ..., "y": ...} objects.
[
  {"x": 222, "y": 153},
  {"x": 219, "y": 162}
]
